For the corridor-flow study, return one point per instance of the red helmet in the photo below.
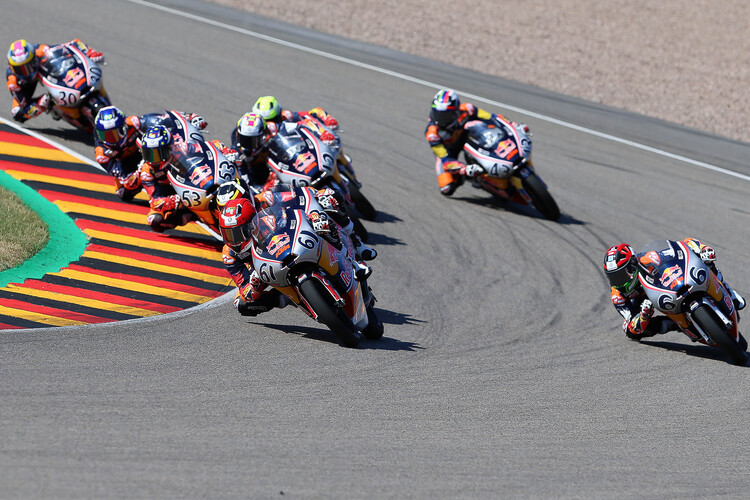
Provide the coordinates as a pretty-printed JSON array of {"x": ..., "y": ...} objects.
[
  {"x": 620, "y": 267},
  {"x": 235, "y": 223}
]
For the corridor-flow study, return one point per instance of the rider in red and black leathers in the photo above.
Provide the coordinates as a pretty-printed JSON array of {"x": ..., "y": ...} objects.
[
  {"x": 629, "y": 298},
  {"x": 22, "y": 76},
  {"x": 446, "y": 134},
  {"x": 253, "y": 296}
]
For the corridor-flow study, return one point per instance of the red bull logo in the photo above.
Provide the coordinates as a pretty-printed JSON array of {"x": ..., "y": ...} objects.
[{"x": 671, "y": 277}]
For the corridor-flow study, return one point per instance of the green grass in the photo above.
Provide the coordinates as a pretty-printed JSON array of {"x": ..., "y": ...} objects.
[{"x": 22, "y": 232}]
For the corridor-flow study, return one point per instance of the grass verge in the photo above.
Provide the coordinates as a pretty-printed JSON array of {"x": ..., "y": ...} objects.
[{"x": 22, "y": 232}]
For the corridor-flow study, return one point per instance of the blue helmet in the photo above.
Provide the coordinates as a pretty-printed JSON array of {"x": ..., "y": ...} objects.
[
  {"x": 110, "y": 126},
  {"x": 156, "y": 145}
]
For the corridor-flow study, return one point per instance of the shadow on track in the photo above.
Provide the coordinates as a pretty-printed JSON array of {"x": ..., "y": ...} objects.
[
  {"x": 696, "y": 350},
  {"x": 70, "y": 134},
  {"x": 325, "y": 335},
  {"x": 517, "y": 208}
]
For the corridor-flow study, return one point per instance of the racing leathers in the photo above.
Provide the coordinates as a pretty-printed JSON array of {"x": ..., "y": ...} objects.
[
  {"x": 637, "y": 310},
  {"x": 22, "y": 87},
  {"x": 122, "y": 160},
  {"x": 447, "y": 144},
  {"x": 253, "y": 296}
]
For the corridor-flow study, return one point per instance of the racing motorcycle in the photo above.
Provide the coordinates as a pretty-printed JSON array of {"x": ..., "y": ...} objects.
[
  {"x": 504, "y": 152},
  {"x": 683, "y": 287},
  {"x": 299, "y": 158},
  {"x": 316, "y": 274},
  {"x": 197, "y": 169},
  {"x": 74, "y": 82},
  {"x": 360, "y": 201}
]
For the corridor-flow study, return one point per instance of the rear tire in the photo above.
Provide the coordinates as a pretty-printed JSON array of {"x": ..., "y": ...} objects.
[
  {"x": 374, "y": 329},
  {"x": 328, "y": 314},
  {"x": 361, "y": 203},
  {"x": 541, "y": 198},
  {"x": 716, "y": 332}
]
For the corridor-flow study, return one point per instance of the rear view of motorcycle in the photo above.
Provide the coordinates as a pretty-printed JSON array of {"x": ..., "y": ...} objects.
[
  {"x": 75, "y": 84},
  {"x": 504, "y": 152},
  {"x": 684, "y": 288}
]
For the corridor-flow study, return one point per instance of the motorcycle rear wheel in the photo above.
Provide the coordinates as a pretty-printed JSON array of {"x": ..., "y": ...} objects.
[
  {"x": 328, "y": 314},
  {"x": 374, "y": 329},
  {"x": 716, "y": 331},
  {"x": 541, "y": 198}
]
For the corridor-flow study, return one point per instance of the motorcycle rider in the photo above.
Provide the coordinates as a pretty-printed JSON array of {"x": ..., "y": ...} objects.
[
  {"x": 272, "y": 112},
  {"x": 116, "y": 148},
  {"x": 250, "y": 138},
  {"x": 253, "y": 295},
  {"x": 629, "y": 298},
  {"x": 446, "y": 135},
  {"x": 166, "y": 210},
  {"x": 22, "y": 76}
]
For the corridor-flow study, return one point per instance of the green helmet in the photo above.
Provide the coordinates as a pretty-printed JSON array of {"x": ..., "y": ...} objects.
[{"x": 267, "y": 107}]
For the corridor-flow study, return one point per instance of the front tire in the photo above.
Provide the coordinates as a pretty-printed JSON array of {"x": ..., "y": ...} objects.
[
  {"x": 328, "y": 314},
  {"x": 541, "y": 198},
  {"x": 716, "y": 332}
]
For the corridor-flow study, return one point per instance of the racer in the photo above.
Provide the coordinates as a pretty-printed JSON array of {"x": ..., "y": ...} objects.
[
  {"x": 116, "y": 148},
  {"x": 630, "y": 299},
  {"x": 250, "y": 138},
  {"x": 238, "y": 209},
  {"x": 22, "y": 76},
  {"x": 272, "y": 112},
  {"x": 446, "y": 135},
  {"x": 166, "y": 210}
]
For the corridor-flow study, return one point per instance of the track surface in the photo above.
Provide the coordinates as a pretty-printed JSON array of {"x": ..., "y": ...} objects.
[{"x": 502, "y": 371}]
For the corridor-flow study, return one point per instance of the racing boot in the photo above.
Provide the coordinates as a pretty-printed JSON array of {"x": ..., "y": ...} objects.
[
  {"x": 361, "y": 270},
  {"x": 362, "y": 251}
]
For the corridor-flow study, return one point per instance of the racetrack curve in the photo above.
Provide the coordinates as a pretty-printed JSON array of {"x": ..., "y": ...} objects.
[{"x": 502, "y": 372}]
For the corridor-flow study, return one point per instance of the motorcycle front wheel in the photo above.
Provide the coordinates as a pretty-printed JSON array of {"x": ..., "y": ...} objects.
[
  {"x": 541, "y": 198},
  {"x": 705, "y": 318},
  {"x": 328, "y": 314}
]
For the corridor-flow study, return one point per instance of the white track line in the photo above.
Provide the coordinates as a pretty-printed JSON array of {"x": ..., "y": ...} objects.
[{"x": 436, "y": 86}]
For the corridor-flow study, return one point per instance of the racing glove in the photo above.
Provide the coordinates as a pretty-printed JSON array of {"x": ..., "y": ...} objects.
[
  {"x": 471, "y": 170},
  {"x": 198, "y": 121},
  {"x": 95, "y": 55},
  {"x": 708, "y": 254},
  {"x": 166, "y": 203}
]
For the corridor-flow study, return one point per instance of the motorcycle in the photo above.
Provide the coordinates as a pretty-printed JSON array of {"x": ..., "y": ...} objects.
[
  {"x": 298, "y": 157},
  {"x": 360, "y": 201},
  {"x": 504, "y": 151},
  {"x": 197, "y": 169},
  {"x": 316, "y": 274},
  {"x": 683, "y": 287},
  {"x": 74, "y": 82}
]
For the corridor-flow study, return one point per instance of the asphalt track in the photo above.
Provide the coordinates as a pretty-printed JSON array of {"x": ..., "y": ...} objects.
[{"x": 502, "y": 372}]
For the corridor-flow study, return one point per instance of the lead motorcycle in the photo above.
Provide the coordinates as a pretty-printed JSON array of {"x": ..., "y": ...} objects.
[
  {"x": 504, "y": 152},
  {"x": 299, "y": 158},
  {"x": 316, "y": 274},
  {"x": 684, "y": 288},
  {"x": 74, "y": 82},
  {"x": 197, "y": 169}
]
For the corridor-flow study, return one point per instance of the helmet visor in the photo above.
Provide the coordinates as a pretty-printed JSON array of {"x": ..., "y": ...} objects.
[
  {"x": 444, "y": 118},
  {"x": 25, "y": 70},
  {"x": 624, "y": 277},
  {"x": 237, "y": 235},
  {"x": 156, "y": 155},
  {"x": 249, "y": 143},
  {"x": 111, "y": 136}
]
